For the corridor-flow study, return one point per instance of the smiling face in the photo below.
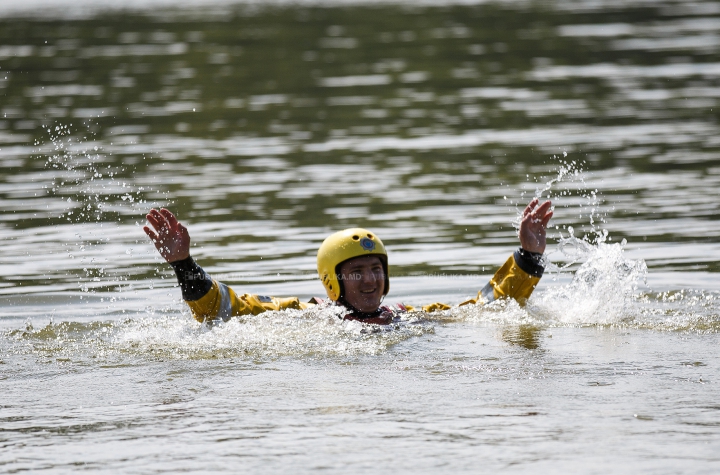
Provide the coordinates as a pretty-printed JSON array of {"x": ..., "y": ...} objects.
[{"x": 363, "y": 282}]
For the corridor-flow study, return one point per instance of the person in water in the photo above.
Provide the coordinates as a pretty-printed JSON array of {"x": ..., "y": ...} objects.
[{"x": 353, "y": 267}]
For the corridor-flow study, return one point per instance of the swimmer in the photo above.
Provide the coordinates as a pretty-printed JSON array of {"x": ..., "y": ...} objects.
[{"x": 353, "y": 267}]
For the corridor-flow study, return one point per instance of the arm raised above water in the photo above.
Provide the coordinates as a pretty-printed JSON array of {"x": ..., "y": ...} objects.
[
  {"x": 516, "y": 279},
  {"x": 172, "y": 240},
  {"x": 207, "y": 298},
  {"x": 521, "y": 273}
]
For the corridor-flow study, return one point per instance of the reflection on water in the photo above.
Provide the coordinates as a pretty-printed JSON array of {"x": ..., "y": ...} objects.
[{"x": 526, "y": 336}]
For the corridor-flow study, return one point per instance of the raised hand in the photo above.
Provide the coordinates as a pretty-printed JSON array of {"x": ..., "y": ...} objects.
[
  {"x": 171, "y": 238},
  {"x": 533, "y": 225}
]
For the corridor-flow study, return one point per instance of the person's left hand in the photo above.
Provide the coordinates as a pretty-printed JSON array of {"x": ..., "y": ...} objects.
[{"x": 533, "y": 225}]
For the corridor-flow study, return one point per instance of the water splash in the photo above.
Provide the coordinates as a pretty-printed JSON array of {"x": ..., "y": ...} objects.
[
  {"x": 604, "y": 288},
  {"x": 568, "y": 189},
  {"x": 92, "y": 188},
  {"x": 317, "y": 332},
  {"x": 605, "y": 291},
  {"x": 92, "y": 191}
]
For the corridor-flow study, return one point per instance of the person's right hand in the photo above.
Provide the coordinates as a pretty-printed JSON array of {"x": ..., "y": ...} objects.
[{"x": 172, "y": 239}]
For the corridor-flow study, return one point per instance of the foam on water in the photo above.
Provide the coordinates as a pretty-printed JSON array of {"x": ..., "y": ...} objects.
[
  {"x": 607, "y": 290},
  {"x": 602, "y": 291},
  {"x": 314, "y": 332},
  {"x": 317, "y": 332}
]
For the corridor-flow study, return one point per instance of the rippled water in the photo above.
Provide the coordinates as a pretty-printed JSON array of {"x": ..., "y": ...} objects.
[{"x": 267, "y": 127}]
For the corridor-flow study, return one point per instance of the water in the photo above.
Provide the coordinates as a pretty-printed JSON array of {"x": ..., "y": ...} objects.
[{"x": 266, "y": 128}]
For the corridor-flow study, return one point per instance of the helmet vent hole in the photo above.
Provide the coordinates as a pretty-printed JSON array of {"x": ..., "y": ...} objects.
[
  {"x": 356, "y": 238},
  {"x": 370, "y": 236}
]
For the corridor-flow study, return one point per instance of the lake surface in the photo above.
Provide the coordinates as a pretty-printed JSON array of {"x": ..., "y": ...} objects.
[{"x": 265, "y": 128}]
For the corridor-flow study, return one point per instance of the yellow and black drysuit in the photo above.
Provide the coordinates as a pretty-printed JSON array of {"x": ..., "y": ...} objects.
[{"x": 210, "y": 300}]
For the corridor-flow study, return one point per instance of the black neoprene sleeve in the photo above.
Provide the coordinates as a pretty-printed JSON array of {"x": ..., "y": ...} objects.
[
  {"x": 529, "y": 262},
  {"x": 194, "y": 281}
]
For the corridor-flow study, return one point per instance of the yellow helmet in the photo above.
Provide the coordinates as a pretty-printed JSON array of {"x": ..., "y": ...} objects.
[{"x": 343, "y": 245}]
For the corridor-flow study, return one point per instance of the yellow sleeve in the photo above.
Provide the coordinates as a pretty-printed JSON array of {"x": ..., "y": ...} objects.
[
  {"x": 222, "y": 302},
  {"x": 510, "y": 281}
]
